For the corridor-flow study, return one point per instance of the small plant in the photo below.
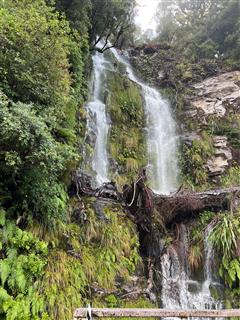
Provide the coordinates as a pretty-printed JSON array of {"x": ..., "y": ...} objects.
[{"x": 225, "y": 238}]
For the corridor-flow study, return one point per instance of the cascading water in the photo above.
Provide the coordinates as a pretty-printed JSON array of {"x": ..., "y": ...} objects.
[
  {"x": 161, "y": 136},
  {"x": 97, "y": 118},
  {"x": 179, "y": 290}
]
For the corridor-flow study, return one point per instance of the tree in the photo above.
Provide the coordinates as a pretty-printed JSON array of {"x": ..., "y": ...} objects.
[
  {"x": 111, "y": 21},
  {"x": 34, "y": 52},
  {"x": 200, "y": 28},
  {"x": 31, "y": 162}
]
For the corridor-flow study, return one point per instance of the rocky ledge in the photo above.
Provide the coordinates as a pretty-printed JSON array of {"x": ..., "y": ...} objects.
[
  {"x": 217, "y": 95},
  {"x": 214, "y": 108},
  {"x": 222, "y": 157}
]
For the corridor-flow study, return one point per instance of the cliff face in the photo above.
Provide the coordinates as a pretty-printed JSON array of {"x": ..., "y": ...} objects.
[
  {"x": 214, "y": 109},
  {"x": 205, "y": 97}
]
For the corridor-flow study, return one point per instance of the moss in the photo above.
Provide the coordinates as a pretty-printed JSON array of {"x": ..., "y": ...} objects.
[
  {"x": 139, "y": 303},
  {"x": 228, "y": 126},
  {"x": 113, "y": 301},
  {"x": 232, "y": 177},
  {"x": 127, "y": 142},
  {"x": 192, "y": 162}
]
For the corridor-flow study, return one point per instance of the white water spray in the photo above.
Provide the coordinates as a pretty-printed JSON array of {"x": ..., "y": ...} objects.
[
  {"x": 161, "y": 136},
  {"x": 97, "y": 114},
  {"x": 179, "y": 291}
]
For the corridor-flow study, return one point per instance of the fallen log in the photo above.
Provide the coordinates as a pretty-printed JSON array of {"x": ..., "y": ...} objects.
[
  {"x": 181, "y": 205},
  {"x": 171, "y": 208},
  {"x": 148, "y": 313}
]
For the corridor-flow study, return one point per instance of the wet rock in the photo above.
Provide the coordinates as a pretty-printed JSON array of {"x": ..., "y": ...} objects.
[
  {"x": 189, "y": 137},
  {"x": 135, "y": 52},
  {"x": 150, "y": 50},
  {"x": 79, "y": 215},
  {"x": 222, "y": 157},
  {"x": 85, "y": 179},
  {"x": 98, "y": 207},
  {"x": 108, "y": 190},
  {"x": 83, "y": 184},
  {"x": 91, "y": 134},
  {"x": 193, "y": 286}
]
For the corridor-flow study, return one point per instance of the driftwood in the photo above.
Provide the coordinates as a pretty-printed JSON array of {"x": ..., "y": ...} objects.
[
  {"x": 181, "y": 205},
  {"x": 148, "y": 313}
]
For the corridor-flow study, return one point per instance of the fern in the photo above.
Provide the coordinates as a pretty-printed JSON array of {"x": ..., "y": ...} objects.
[{"x": 224, "y": 237}]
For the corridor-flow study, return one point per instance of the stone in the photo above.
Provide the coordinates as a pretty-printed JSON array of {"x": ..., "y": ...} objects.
[
  {"x": 222, "y": 157},
  {"x": 189, "y": 137},
  {"x": 215, "y": 95}
]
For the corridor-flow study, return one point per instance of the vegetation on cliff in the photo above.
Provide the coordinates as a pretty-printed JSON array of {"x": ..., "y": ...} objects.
[
  {"x": 49, "y": 261},
  {"x": 127, "y": 140},
  {"x": 59, "y": 253},
  {"x": 197, "y": 40}
]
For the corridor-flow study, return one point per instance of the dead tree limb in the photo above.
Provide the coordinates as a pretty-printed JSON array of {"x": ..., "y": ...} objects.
[{"x": 184, "y": 204}]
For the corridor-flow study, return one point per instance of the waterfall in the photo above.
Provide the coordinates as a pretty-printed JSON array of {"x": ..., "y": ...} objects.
[
  {"x": 161, "y": 135},
  {"x": 179, "y": 290},
  {"x": 97, "y": 119}
]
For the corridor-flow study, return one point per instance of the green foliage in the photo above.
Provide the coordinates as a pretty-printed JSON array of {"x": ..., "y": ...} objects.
[
  {"x": 78, "y": 13},
  {"x": 201, "y": 29},
  {"x": 139, "y": 303},
  {"x": 103, "y": 250},
  {"x": 228, "y": 126},
  {"x": 127, "y": 140},
  {"x": 22, "y": 264},
  {"x": 43, "y": 68},
  {"x": 112, "y": 20},
  {"x": 114, "y": 301},
  {"x": 232, "y": 177},
  {"x": 225, "y": 238},
  {"x": 42, "y": 74},
  {"x": 192, "y": 162},
  {"x": 195, "y": 253},
  {"x": 32, "y": 158},
  {"x": 33, "y": 53}
]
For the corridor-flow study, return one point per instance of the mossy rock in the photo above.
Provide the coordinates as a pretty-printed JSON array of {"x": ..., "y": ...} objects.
[{"x": 127, "y": 142}]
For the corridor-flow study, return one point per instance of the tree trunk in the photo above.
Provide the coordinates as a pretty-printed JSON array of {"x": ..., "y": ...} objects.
[{"x": 179, "y": 206}]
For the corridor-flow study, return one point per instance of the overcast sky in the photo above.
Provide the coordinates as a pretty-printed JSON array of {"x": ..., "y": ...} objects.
[{"x": 145, "y": 14}]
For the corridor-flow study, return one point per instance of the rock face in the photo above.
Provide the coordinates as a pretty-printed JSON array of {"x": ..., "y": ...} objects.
[
  {"x": 216, "y": 95},
  {"x": 213, "y": 110},
  {"x": 222, "y": 156}
]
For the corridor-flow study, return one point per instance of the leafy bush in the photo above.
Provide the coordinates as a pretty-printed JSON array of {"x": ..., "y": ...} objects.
[
  {"x": 22, "y": 264},
  {"x": 33, "y": 53},
  {"x": 32, "y": 161},
  {"x": 225, "y": 238}
]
